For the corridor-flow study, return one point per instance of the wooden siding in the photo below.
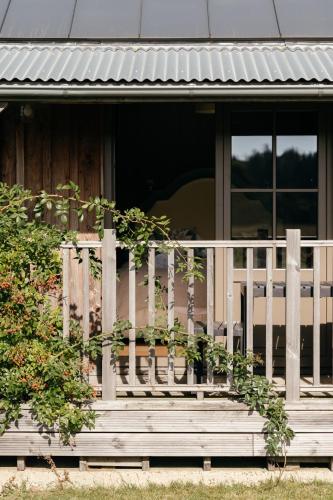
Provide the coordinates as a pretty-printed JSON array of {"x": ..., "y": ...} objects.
[
  {"x": 58, "y": 143},
  {"x": 8, "y": 122}
]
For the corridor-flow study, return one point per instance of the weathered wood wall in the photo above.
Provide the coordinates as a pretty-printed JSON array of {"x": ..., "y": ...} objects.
[{"x": 56, "y": 144}]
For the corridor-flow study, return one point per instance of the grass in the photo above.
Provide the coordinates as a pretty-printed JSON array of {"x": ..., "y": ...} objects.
[{"x": 269, "y": 490}]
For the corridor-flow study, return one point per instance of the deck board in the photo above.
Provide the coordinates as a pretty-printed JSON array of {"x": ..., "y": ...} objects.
[
  {"x": 172, "y": 427},
  {"x": 189, "y": 421}
]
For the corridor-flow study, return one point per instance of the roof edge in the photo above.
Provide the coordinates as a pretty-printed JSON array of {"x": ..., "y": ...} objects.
[{"x": 85, "y": 92}]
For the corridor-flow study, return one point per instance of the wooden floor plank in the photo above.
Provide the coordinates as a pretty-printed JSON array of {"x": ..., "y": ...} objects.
[
  {"x": 190, "y": 421},
  {"x": 161, "y": 444},
  {"x": 125, "y": 444},
  {"x": 305, "y": 444}
]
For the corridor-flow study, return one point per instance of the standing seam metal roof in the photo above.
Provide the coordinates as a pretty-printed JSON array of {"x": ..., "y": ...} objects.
[
  {"x": 216, "y": 63},
  {"x": 166, "y": 19}
]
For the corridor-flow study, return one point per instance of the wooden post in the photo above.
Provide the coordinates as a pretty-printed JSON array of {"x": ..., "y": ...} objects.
[
  {"x": 269, "y": 314},
  {"x": 83, "y": 464},
  {"x": 85, "y": 306},
  {"x": 249, "y": 301},
  {"x": 65, "y": 292},
  {"x": 145, "y": 464},
  {"x": 109, "y": 314},
  {"x": 230, "y": 307},
  {"x": 271, "y": 466},
  {"x": 151, "y": 312},
  {"x": 293, "y": 304},
  {"x": 20, "y": 461},
  {"x": 171, "y": 312},
  {"x": 190, "y": 312},
  {"x": 210, "y": 304},
  {"x": 316, "y": 316},
  {"x": 207, "y": 463},
  {"x": 132, "y": 319}
]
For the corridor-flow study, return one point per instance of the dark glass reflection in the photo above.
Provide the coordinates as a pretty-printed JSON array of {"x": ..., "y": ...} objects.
[
  {"x": 296, "y": 123},
  {"x": 297, "y": 211},
  {"x": 296, "y": 161},
  {"x": 251, "y": 215},
  {"x": 306, "y": 258},
  {"x": 251, "y": 161},
  {"x": 252, "y": 123},
  {"x": 239, "y": 258},
  {"x": 259, "y": 258}
]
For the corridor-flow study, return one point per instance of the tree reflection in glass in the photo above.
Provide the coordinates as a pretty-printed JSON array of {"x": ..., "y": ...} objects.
[
  {"x": 251, "y": 162},
  {"x": 296, "y": 161}
]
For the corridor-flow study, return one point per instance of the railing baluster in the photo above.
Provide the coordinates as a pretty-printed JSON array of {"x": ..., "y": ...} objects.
[
  {"x": 109, "y": 312},
  {"x": 269, "y": 313},
  {"x": 316, "y": 316},
  {"x": 171, "y": 312},
  {"x": 190, "y": 311},
  {"x": 151, "y": 312},
  {"x": 230, "y": 307},
  {"x": 65, "y": 291},
  {"x": 293, "y": 303},
  {"x": 85, "y": 305},
  {"x": 210, "y": 304},
  {"x": 249, "y": 300},
  {"x": 132, "y": 319},
  {"x": 109, "y": 316}
]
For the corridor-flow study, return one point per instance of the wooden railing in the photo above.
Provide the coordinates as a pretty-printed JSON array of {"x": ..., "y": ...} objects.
[{"x": 230, "y": 298}]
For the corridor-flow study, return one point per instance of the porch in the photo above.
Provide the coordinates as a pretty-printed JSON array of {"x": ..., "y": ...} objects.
[
  {"x": 152, "y": 403},
  {"x": 260, "y": 293},
  {"x": 225, "y": 125}
]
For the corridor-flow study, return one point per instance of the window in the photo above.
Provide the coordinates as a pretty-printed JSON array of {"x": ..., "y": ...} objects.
[{"x": 273, "y": 178}]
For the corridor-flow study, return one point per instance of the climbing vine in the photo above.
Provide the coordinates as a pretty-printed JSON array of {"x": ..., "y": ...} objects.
[
  {"x": 254, "y": 390},
  {"x": 40, "y": 367}
]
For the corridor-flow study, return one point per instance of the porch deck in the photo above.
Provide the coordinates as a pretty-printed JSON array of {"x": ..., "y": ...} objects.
[
  {"x": 154, "y": 404},
  {"x": 131, "y": 430}
]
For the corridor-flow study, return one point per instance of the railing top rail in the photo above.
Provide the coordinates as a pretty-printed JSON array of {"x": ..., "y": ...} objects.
[
  {"x": 82, "y": 244},
  {"x": 208, "y": 244}
]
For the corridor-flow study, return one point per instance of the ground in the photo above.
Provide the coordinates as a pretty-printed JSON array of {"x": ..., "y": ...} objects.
[
  {"x": 269, "y": 490},
  {"x": 160, "y": 484}
]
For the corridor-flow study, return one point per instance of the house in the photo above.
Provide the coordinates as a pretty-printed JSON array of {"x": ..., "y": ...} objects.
[{"x": 217, "y": 113}]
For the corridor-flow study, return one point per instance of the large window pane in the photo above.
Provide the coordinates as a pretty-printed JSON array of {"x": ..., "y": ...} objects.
[
  {"x": 296, "y": 161},
  {"x": 297, "y": 211},
  {"x": 251, "y": 163},
  {"x": 251, "y": 215}
]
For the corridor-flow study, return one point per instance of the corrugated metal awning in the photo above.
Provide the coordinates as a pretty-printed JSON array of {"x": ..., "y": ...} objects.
[{"x": 156, "y": 64}]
